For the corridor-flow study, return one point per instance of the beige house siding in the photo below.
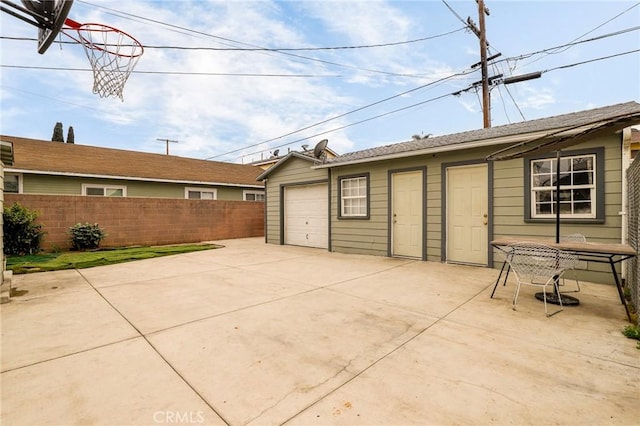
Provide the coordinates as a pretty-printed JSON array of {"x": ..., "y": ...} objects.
[{"x": 295, "y": 171}]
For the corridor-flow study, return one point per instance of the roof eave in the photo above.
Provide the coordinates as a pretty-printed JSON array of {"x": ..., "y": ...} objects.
[
  {"x": 6, "y": 153},
  {"x": 266, "y": 173},
  {"x": 444, "y": 148},
  {"x": 133, "y": 178},
  {"x": 559, "y": 132}
]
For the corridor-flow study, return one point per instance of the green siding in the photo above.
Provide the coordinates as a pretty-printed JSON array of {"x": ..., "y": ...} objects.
[
  {"x": 294, "y": 171},
  {"x": 371, "y": 236},
  {"x": 65, "y": 185}
]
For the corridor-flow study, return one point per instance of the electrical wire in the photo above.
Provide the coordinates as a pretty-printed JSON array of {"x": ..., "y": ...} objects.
[
  {"x": 351, "y": 124},
  {"x": 566, "y": 46},
  {"x": 260, "y": 49},
  {"x": 190, "y": 73},
  {"x": 514, "y": 102},
  {"x": 456, "y": 93},
  {"x": 602, "y": 58},
  {"x": 266, "y": 49},
  {"x": 406, "y": 92},
  {"x": 570, "y": 44},
  {"x": 456, "y": 14}
]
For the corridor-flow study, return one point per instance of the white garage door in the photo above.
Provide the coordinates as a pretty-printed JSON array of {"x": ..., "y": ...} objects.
[{"x": 306, "y": 216}]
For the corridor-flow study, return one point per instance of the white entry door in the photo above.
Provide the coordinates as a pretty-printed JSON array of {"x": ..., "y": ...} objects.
[
  {"x": 467, "y": 214},
  {"x": 306, "y": 215},
  {"x": 407, "y": 215}
]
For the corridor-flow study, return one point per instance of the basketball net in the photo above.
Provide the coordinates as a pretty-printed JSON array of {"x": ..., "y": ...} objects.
[{"x": 113, "y": 55}]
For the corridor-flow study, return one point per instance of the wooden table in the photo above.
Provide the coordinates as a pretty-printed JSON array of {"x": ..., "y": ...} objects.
[{"x": 586, "y": 251}]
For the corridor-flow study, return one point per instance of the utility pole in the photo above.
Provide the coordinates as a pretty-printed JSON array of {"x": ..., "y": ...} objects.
[
  {"x": 482, "y": 35},
  {"x": 167, "y": 142}
]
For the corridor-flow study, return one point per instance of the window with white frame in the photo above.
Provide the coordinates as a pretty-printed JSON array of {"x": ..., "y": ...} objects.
[
  {"x": 201, "y": 193},
  {"x": 577, "y": 187},
  {"x": 354, "y": 196},
  {"x": 104, "y": 190},
  {"x": 12, "y": 183},
  {"x": 253, "y": 195}
]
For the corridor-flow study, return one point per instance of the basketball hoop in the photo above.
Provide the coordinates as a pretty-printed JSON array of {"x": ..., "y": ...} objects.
[{"x": 113, "y": 55}]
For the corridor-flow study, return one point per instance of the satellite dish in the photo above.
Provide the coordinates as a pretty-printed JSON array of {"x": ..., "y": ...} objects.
[
  {"x": 276, "y": 152},
  {"x": 318, "y": 151}
]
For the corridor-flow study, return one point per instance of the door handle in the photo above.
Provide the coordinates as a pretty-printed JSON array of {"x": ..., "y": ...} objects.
[{"x": 485, "y": 219}]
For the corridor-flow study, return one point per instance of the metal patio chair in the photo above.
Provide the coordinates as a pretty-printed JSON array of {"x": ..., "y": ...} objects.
[
  {"x": 538, "y": 265},
  {"x": 574, "y": 238}
]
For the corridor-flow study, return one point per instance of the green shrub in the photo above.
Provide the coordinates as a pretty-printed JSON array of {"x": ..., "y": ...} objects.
[
  {"x": 86, "y": 237},
  {"x": 21, "y": 234},
  {"x": 632, "y": 332}
]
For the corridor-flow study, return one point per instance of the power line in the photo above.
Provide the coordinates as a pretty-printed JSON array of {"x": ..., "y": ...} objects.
[
  {"x": 456, "y": 14},
  {"x": 550, "y": 50},
  {"x": 267, "y": 49},
  {"x": 591, "y": 60},
  {"x": 299, "y": 49},
  {"x": 456, "y": 93},
  {"x": 189, "y": 73},
  {"x": 354, "y": 123},
  {"x": 344, "y": 114},
  {"x": 260, "y": 49},
  {"x": 509, "y": 59},
  {"x": 570, "y": 44}
]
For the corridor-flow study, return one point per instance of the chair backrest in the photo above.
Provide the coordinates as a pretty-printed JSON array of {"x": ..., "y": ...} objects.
[
  {"x": 532, "y": 259},
  {"x": 574, "y": 238}
]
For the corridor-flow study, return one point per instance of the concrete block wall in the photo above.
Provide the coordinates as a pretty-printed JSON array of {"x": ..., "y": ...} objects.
[{"x": 143, "y": 221}]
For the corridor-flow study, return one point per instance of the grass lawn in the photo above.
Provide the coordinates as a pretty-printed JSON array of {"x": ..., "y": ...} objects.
[{"x": 86, "y": 259}]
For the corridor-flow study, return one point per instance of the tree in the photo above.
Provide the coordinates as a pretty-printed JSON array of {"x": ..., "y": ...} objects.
[
  {"x": 70, "y": 135},
  {"x": 58, "y": 133}
]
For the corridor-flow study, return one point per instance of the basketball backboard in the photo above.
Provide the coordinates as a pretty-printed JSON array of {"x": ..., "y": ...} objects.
[
  {"x": 56, "y": 12},
  {"x": 112, "y": 53},
  {"x": 47, "y": 15}
]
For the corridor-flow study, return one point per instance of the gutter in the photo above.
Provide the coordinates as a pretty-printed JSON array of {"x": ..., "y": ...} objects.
[
  {"x": 626, "y": 161},
  {"x": 457, "y": 146}
]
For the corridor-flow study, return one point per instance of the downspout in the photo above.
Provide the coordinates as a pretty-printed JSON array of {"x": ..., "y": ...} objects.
[
  {"x": 330, "y": 237},
  {"x": 626, "y": 161},
  {"x": 266, "y": 181}
]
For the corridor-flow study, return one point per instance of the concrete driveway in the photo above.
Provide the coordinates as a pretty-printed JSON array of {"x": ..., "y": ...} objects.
[{"x": 267, "y": 335}]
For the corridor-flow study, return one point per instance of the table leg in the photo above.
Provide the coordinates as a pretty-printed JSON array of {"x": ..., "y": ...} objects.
[
  {"x": 500, "y": 276},
  {"x": 619, "y": 287}
]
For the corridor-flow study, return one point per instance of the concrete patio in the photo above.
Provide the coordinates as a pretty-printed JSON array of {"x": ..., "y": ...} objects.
[{"x": 268, "y": 335}]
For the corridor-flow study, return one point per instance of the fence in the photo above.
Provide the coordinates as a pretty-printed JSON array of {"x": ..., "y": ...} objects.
[
  {"x": 143, "y": 221},
  {"x": 633, "y": 265}
]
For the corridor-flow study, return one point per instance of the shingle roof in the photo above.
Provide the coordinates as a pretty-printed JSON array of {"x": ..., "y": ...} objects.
[
  {"x": 457, "y": 140},
  {"x": 73, "y": 159}
]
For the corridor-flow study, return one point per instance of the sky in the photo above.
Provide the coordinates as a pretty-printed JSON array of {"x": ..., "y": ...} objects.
[{"x": 395, "y": 69}]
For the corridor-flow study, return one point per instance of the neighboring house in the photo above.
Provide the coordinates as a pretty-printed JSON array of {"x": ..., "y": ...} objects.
[
  {"x": 440, "y": 199},
  {"x": 45, "y": 167},
  {"x": 275, "y": 157}
]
